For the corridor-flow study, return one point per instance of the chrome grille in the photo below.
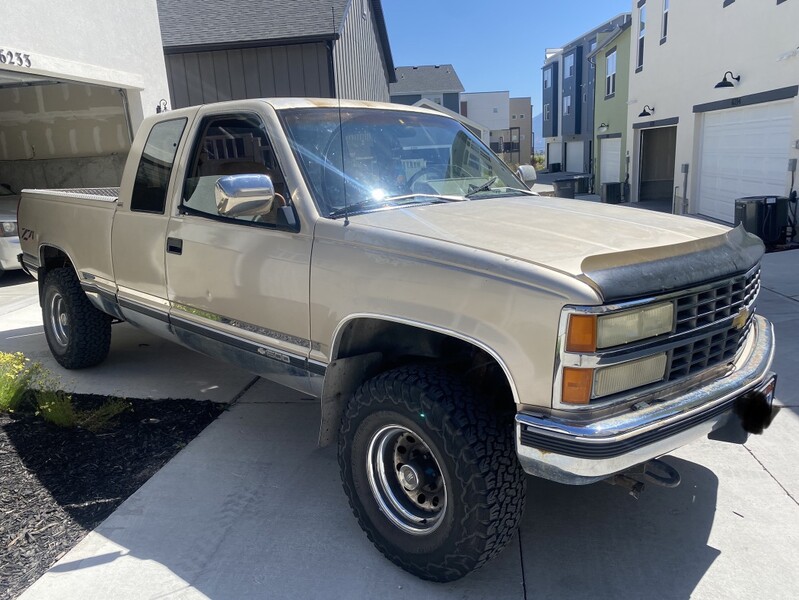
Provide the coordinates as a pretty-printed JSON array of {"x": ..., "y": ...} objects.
[
  {"x": 722, "y": 300},
  {"x": 705, "y": 308}
]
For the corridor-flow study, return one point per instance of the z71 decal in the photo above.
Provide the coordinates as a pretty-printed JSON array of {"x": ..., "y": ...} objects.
[{"x": 26, "y": 234}]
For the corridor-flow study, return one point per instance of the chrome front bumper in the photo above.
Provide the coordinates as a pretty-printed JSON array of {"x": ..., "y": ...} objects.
[{"x": 588, "y": 452}]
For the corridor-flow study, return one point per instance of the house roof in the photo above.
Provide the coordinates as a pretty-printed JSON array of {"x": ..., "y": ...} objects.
[
  {"x": 424, "y": 79},
  {"x": 190, "y": 25},
  {"x": 611, "y": 38}
]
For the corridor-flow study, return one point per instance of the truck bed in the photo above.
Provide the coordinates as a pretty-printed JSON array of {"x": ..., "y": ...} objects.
[{"x": 75, "y": 221}]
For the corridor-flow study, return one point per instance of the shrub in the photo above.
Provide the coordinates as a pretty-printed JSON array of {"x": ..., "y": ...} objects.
[
  {"x": 103, "y": 417},
  {"x": 55, "y": 407},
  {"x": 16, "y": 375}
]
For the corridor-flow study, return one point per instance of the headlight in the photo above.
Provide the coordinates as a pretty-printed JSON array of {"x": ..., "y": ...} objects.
[
  {"x": 587, "y": 333},
  {"x": 9, "y": 228},
  {"x": 580, "y": 386}
]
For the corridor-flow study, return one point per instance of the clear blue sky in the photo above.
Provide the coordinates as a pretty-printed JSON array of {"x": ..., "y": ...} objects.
[{"x": 493, "y": 44}]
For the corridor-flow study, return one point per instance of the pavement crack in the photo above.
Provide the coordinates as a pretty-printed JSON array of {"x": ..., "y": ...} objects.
[
  {"x": 521, "y": 559},
  {"x": 784, "y": 489},
  {"x": 791, "y": 298},
  {"x": 243, "y": 391}
]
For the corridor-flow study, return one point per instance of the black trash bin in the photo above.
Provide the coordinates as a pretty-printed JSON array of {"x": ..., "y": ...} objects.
[
  {"x": 564, "y": 188},
  {"x": 554, "y": 167}
]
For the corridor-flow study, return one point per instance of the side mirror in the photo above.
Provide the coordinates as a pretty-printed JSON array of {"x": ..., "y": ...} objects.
[
  {"x": 244, "y": 195},
  {"x": 527, "y": 174}
]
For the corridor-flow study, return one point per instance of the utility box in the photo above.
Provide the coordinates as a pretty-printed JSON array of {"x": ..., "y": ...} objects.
[
  {"x": 764, "y": 216},
  {"x": 610, "y": 192}
]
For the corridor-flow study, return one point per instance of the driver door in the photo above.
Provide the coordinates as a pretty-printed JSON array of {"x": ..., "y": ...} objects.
[{"x": 238, "y": 287}]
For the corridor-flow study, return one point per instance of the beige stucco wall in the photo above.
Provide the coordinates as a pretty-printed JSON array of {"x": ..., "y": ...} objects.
[
  {"x": 704, "y": 40},
  {"x": 115, "y": 43}
]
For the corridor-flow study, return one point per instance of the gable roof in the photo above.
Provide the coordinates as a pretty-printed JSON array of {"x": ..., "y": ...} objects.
[
  {"x": 190, "y": 25},
  {"x": 425, "y": 78}
]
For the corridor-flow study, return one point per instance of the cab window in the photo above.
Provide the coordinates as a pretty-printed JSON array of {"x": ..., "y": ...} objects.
[{"x": 230, "y": 145}]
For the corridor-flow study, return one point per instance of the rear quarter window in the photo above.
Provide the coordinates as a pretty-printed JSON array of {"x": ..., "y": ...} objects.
[{"x": 155, "y": 166}]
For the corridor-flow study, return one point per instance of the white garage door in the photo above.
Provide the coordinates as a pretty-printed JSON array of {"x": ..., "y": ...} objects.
[
  {"x": 555, "y": 152},
  {"x": 744, "y": 152},
  {"x": 574, "y": 157},
  {"x": 609, "y": 159}
]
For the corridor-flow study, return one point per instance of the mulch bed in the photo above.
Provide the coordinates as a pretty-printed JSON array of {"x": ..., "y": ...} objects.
[{"x": 56, "y": 484}]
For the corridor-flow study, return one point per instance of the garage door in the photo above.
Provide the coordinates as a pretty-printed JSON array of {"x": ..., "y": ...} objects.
[
  {"x": 574, "y": 157},
  {"x": 555, "y": 151},
  {"x": 744, "y": 152},
  {"x": 609, "y": 159}
]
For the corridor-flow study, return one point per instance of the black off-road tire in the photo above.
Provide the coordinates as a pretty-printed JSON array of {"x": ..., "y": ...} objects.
[
  {"x": 78, "y": 334},
  {"x": 474, "y": 448}
]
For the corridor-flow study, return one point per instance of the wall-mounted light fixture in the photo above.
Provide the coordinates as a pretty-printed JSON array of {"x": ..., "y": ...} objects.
[
  {"x": 647, "y": 112},
  {"x": 162, "y": 107},
  {"x": 727, "y": 83},
  {"x": 603, "y": 127}
]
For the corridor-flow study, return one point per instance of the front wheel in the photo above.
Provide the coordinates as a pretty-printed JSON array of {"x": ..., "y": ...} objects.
[
  {"x": 78, "y": 334},
  {"x": 431, "y": 474}
]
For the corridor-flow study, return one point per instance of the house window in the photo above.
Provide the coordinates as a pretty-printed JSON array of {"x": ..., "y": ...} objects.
[
  {"x": 513, "y": 117},
  {"x": 546, "y": 112},
  {"x": 567, "y": 105},
  {"x": 547, "y": 78},
  {"x": 665, "y": 28},
  {"x": 521, "y": 116},
  {"x": 610, "y": 73},
  {"x": 568, "y": 66},
  {"x": 639, "y": 64},
  {"x": 496, "y": 110},
  {"x": 592, "y": 45}
]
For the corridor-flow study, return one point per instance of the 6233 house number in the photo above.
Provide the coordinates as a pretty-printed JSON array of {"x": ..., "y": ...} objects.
[{"x": 9, "y": 57}]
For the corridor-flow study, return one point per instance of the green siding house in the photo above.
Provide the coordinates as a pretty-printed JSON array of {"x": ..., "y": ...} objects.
[{"x": 612, "y": 59}]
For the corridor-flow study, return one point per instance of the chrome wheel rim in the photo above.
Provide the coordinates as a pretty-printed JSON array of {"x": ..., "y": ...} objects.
[
  {"x": 58, "y": 320},
  {"x": 406, "y": 480}
]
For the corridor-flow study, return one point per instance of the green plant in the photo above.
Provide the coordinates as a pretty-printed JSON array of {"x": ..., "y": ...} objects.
[
  {"x": 55, "y": 406},
  {"x": 16, "y": 375},
  {"x": 103, "y": 417}
]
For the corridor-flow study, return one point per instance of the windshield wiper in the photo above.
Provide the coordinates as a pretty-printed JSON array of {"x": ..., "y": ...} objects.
[
  {"x": 369, "y": 202},
  {"x": 481, "y": 188}
]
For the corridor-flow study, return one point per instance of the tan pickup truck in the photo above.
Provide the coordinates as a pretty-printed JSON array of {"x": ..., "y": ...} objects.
[{"x": 458, "y": 329}]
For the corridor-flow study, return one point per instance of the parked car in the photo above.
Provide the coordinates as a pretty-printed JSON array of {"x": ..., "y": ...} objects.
[
  {"x": 458, "y": 329},
  {"x": 9, "y": 238}
]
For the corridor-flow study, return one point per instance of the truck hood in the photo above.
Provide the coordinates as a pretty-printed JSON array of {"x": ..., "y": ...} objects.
[{"x": 583, "y": 239}]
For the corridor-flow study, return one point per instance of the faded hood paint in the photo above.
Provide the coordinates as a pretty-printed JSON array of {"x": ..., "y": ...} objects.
[{"x": 552, "y": 232}]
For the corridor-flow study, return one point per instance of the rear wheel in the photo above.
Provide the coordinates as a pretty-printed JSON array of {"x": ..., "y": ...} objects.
[
  {"x": 431, "y": 475},
  {"x": 78, "y": 334}
]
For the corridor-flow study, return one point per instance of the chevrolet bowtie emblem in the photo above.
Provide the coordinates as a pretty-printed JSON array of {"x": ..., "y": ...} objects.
[{"x": 741, "y": 318}]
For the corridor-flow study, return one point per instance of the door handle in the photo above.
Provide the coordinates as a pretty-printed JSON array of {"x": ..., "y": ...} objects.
[{"x": 174, "y": 245}]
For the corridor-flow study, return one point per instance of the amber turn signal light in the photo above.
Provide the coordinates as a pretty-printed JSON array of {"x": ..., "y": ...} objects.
[
  {"x": 581, "y": 333},
  {"x": 577, "y": 385}
]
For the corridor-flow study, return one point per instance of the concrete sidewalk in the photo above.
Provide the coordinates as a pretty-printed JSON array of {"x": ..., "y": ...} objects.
[{"x": 253, "y": 509}]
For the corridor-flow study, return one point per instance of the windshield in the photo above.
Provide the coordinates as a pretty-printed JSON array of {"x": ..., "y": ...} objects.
[{"x": 377, "y": 159}]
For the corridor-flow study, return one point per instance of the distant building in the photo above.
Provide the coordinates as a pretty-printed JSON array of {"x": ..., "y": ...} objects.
[
  {"x": 716, "y": 119},
  {"x": 510, "y": 121},
  {"x": 476, "y": 128},
  {"x": 438, "y": 83},
  {"x": 266, "y": 48},
  {"x": 568, "y": 101},
  {"x": 612, "y": 59}
]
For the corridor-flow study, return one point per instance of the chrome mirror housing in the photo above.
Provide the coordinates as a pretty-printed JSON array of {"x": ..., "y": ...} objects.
[
  {"x": 527, "y": 174},
  {"x": 244, "y": 195}
]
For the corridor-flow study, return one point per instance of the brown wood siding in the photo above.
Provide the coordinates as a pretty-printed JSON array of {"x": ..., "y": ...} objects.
[
  {"x": 264, "y": 72},
  {"x": 358, "y": 56}
]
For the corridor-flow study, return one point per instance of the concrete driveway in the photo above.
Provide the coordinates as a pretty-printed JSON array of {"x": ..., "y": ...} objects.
[{"x": 253, "y": 509}]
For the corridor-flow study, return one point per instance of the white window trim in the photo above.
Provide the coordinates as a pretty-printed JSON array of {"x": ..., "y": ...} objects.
[
  {"x": 639, "y": 60},
  {"x": 664, "y": 23},
  {"x": 610, "y": 78}
]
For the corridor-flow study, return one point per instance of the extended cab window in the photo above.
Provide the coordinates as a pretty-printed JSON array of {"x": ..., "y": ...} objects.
[
  {"x": 230, "y": 145},
  {"x": 155, "y": 167}
]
